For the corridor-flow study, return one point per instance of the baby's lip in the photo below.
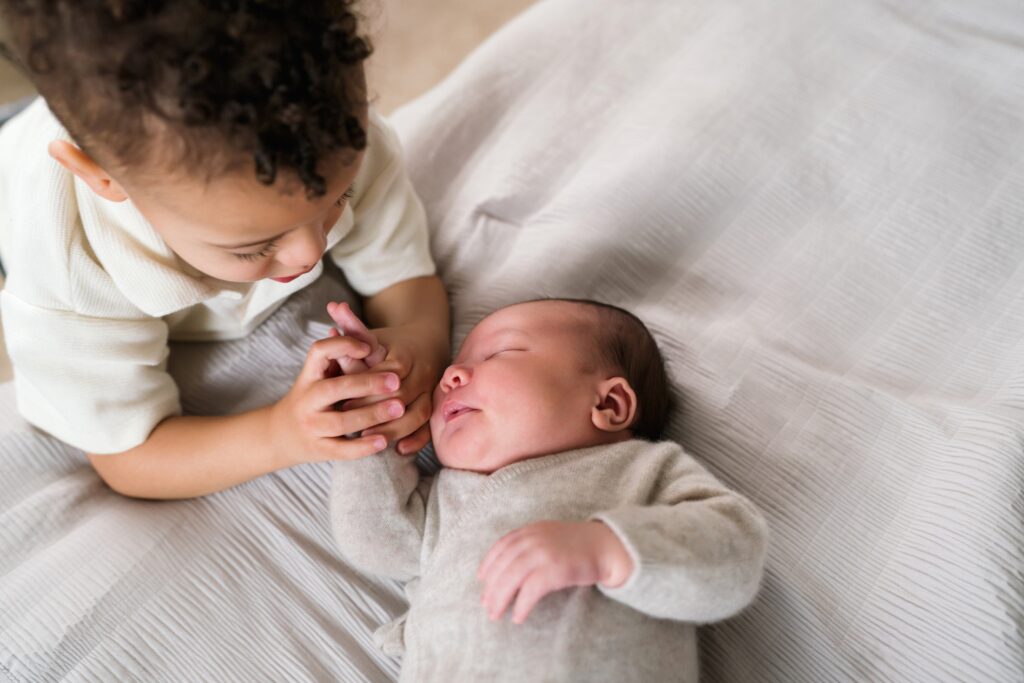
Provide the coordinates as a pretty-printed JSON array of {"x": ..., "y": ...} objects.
[{"x": 453, "y": 409}]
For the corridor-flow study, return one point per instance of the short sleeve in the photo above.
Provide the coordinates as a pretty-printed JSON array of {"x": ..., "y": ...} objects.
[
  {"x": 388, "y": 242},
  {"x": 97, "y": 384}
]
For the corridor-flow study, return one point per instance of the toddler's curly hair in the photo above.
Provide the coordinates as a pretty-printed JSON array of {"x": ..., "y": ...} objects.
[{"x": 204, "y": 86}]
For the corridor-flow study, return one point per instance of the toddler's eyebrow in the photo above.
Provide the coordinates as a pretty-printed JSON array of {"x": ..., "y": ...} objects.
[{"x": 250, "y": 244}]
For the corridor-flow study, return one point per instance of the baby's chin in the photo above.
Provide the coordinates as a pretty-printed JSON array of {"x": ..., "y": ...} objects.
[
  {"x": 483, "y": 460},
  {"x": 456, "y": 458}
]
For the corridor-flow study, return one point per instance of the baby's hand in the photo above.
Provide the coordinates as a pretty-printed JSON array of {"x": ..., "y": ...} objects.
[{"x": 537, "y": 559}]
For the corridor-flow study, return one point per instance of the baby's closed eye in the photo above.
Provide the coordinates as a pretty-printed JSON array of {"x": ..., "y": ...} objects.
[{"x": 499, "y": 352}]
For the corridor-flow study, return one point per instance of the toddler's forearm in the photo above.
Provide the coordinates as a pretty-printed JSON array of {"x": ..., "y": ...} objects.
[
  {"x": 422, "y": 301},
  {"x": 188, "y": 456}
]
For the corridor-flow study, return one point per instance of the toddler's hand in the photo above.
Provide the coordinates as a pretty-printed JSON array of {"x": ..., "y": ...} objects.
[
  {"x": 305, "y": 425},
  {"x": 413, "y": 365},
  {"x": 349, "y": 324},
  {"x": 540, "y": 558},
  {"x": 418, "y": 363}
]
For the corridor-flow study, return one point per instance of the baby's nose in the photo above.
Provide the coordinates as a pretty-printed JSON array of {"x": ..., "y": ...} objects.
[{"x": 455, "y": 376}]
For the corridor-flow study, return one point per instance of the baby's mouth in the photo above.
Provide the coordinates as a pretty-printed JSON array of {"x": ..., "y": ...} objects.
[{"x": 452, "y": 410}]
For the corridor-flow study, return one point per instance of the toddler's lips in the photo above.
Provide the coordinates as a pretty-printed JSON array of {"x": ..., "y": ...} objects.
[{"x": 289, "y": 278}]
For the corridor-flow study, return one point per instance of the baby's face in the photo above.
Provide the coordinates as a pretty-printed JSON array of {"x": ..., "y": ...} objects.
[
  {"x": 236, "y": 229},
  {"x": 522, "y": 385}
]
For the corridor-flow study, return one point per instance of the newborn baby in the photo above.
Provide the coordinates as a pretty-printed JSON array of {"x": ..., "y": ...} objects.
[{"x": 554, "y": 501}]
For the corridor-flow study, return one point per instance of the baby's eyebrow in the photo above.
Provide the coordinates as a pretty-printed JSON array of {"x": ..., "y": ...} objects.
[{"x": 509, "y": 331}]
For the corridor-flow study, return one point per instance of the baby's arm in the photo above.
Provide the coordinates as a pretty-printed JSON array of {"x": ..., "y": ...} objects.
[
  {"x": 698, "y": 548},
  {"x": 377, "y": 507},
  {"x": 695, "y": 552},
  {"x": 378, "y": 512}
]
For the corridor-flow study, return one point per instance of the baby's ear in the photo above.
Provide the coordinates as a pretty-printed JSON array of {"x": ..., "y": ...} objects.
[
  {"x": 82, "y": 165},
  {"x": 616, "y": 405}
]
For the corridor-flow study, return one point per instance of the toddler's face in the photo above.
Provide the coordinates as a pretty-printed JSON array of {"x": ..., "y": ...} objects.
[
  {"x": 521, "y": 386},
  {"x": 236, "y": 229}
]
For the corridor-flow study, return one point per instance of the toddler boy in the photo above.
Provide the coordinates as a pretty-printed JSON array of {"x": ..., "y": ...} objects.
[{"x": 187, "y": 169}]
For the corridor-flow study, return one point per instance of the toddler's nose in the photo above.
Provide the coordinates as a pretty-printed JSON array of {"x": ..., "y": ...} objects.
[
  {"x": 455, "y": 376},
  {"x": 303, "y": 248}
]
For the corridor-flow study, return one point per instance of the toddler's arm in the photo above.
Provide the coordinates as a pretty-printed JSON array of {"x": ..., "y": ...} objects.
[{"x": 378, "y": 512}]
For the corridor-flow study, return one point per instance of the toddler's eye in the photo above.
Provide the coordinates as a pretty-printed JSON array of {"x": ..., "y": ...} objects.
[
  {"x": 264, "y": 252},
  {"x": 343, "y": 199}
]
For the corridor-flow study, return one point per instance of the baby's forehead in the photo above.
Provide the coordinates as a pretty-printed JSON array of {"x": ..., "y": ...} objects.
[{"x": 547, "y": 319}]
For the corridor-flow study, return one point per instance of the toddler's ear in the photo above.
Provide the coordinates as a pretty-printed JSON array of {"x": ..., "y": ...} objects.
[
  {"x": 82, "y": 165},
  {"x": 616, "y": 405}
]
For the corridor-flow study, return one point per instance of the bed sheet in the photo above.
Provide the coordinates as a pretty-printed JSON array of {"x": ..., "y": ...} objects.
[{"x": 816, "y": 206}]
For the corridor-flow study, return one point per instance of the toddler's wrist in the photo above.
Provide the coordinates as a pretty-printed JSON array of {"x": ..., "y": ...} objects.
[{"x": 279, "y": 452}]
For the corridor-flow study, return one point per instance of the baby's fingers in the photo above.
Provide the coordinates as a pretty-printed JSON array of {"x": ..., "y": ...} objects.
[
  {"x": 508, "y": 583},
  {"x": 496, "y": 551},
  {"x": 535, "y": 587}
]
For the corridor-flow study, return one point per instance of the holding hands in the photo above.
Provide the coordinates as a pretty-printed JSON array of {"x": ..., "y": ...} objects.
[
  {"x": 357, "y": 382},
  {"x": 306, "y": 425},
  {"x": 537, "y": 559},
  {"x": 398, "y": 354}
]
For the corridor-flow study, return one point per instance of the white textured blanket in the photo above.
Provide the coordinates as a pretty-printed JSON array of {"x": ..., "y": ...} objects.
[{"x": 817, "y": 206}]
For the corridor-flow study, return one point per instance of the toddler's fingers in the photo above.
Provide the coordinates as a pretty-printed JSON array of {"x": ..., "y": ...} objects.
[
  {"x": 535, "y": 587},
  {"x": 325, "y": 393},
  {"x": 333, "y": 423},
  {"x": 416, "y": 415},
  {"x": 353, "y": 449},
  {"x": 346, "y": 365},
  {"x": 352, "y": 326},
  {"x": 415, "y": 442},
  {"x": 407, "y": 392},
  {"x": 323, "y": 351}
]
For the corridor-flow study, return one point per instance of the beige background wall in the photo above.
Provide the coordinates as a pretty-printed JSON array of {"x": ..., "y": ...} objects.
[{"x": 416, "y": 43}]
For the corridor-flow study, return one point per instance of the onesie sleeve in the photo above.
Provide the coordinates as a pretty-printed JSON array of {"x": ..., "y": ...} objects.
[
  {"x": 378, "y": 513},
  {"x": 98, "y": 384},
  {"x": 388, "y": 242},
  {"x": 698, "y": 548}
]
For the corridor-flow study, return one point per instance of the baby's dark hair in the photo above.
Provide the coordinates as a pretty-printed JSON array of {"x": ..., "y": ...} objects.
[
  {"x": 276, "y": 85},
  {"x": 625, "y": 345}
]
